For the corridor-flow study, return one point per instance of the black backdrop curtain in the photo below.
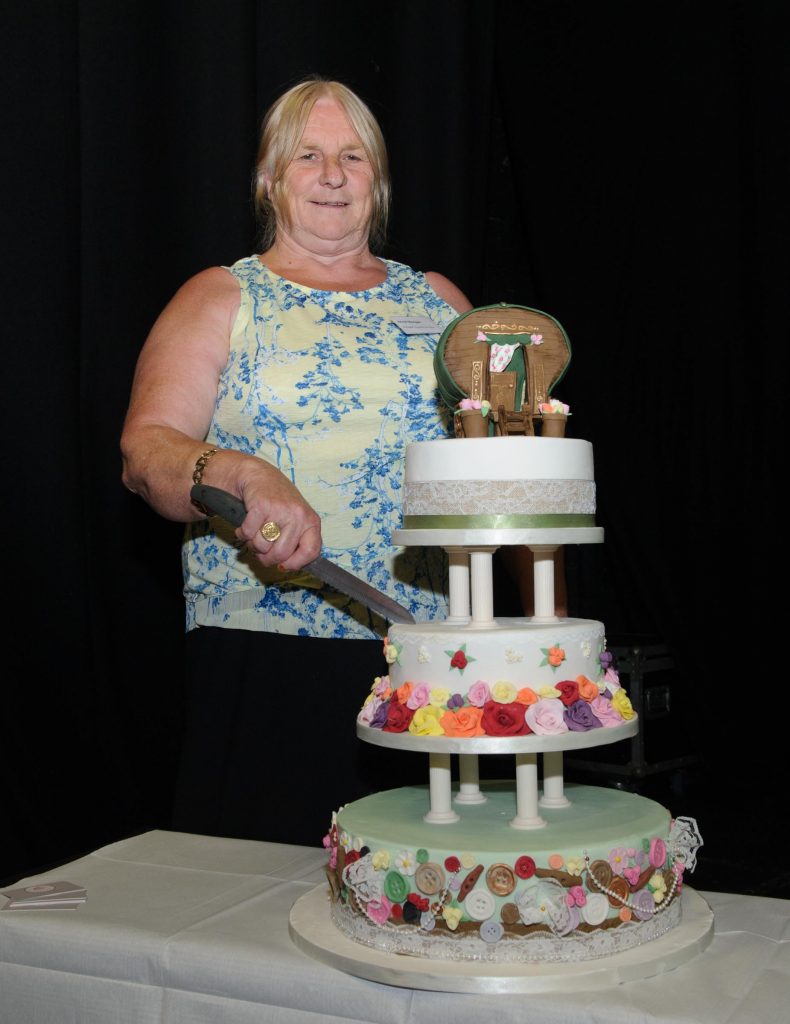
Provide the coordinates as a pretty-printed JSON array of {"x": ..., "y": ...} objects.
[{"x": 621, "y": 173}]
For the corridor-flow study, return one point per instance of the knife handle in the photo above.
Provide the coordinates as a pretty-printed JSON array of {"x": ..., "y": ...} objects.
[{"x": 220, "y": 503}]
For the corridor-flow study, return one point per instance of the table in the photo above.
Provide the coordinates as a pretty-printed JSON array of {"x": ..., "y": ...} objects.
[{"x": 185, "y": 929}]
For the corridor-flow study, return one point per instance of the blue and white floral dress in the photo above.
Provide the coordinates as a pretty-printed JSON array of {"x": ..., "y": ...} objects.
[{"x": 329, "y": 389}]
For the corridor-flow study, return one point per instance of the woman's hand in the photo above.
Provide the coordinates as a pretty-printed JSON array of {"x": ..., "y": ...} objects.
[{"x": 270, "y": 498}]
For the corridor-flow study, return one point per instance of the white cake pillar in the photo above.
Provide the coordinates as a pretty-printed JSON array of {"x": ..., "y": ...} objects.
[
  {"x": 469, "y": 774},
  {"x": 543, "y": 576},
  {"x": 553, "y": 785},
  {"x": 482, "y": 586},
  {"x": 440, "y": 785},
  {"x": 459, "y": 584},
  {"x": 527, "y": 793}
]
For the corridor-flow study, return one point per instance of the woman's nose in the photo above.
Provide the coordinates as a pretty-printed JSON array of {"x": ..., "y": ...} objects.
[{"x": 332, "y": 172}]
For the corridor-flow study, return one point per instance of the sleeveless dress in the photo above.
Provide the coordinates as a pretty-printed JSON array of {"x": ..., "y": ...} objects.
[{"x": 328, "y": 388}]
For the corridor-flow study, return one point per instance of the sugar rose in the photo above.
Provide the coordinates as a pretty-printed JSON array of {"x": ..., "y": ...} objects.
[
  {"x": 504, "y": 719},
  {"x": 426, "y": 722},
  {"x": 622, "y": 704},
  {"x": 588, "y": 690},
  {"x": 579, "y": 717},
  {"x": 403, "y": 692},
  {"x": 547, "y": 717},
  {"x": 463, "y": 722},
  {"x": 569, "y": 691},
  {"x": 479, "y": 694},
  {"x": 399, "y": 717},
  {"x": 526, "y": 695},
  {"x": 503, "y": 692}
]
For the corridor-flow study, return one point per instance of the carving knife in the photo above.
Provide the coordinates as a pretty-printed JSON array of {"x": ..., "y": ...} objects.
[{"x": 232, "y": 509}]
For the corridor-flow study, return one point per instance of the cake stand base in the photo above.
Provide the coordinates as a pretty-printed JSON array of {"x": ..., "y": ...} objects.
[{"x": 312, "y": 931}]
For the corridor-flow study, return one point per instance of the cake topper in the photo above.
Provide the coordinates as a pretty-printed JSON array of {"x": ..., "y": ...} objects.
[{"x": 502, "y": 362}]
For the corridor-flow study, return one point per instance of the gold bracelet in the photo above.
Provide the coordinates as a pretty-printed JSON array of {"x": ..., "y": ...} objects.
[{"x": 197, "y": 478}]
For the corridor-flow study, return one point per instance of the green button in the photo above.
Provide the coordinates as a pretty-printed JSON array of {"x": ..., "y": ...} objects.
[
  {"x": 422, "y": 856},
  {"x": 396, "y": 887}
]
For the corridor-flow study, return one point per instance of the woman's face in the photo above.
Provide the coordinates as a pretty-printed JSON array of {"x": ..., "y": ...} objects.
[{"x": 328, "y": 185}]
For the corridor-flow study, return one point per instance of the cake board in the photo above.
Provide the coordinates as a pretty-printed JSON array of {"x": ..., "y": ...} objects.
[{"x": 313, "y": 932}]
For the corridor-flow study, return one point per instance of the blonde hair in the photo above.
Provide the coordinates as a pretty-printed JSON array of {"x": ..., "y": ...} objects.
[{"x": 281, "y": 133}]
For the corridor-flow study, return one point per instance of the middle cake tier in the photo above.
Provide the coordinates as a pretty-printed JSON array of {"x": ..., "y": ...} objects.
[{"x": 510, "y": 679}]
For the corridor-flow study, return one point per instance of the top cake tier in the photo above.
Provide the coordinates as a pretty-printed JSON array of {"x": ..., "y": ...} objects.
[{"x": 542, "y": 484}]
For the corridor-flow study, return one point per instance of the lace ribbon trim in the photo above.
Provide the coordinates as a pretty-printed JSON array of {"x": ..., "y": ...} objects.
[{"x": 476, "y": 497}]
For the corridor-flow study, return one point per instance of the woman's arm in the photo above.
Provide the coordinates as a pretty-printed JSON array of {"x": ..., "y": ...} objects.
[{"x": 173, "y": 396}]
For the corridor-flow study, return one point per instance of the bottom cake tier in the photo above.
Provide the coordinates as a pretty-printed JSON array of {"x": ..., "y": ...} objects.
[{"x": 603, "y": 876}]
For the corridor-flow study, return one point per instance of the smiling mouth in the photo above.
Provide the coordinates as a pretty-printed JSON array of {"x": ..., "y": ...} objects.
[{"x": 316, "y": 202}]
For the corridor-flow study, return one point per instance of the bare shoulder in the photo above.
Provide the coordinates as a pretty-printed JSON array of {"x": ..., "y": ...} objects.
[
  {"x": 213, "y": 292},
  {"x": 450, "y": 292}
]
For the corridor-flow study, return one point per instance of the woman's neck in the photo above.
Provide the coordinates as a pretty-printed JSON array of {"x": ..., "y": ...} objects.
[{"x": 348, "y": 270}]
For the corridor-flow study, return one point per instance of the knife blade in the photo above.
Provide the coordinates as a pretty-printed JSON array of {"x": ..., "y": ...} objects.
[{"x": 231, "y": 508}]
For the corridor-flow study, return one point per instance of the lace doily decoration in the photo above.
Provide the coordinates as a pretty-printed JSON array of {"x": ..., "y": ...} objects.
[{"x": 539, "y": 947}]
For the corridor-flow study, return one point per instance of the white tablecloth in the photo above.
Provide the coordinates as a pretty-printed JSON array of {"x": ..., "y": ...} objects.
[{"x": 184, "y": 929}]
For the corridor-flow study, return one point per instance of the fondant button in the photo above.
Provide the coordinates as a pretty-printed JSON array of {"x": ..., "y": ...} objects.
[
  {"x": 427, "y": 921},
  {"x": 429, "y": 878},
  {"x": 525, "y": 867},
  {"x": 509, "y": 913},
  {"x": 599, "y": 874},
  {"x": 619, "y": 891},
  {"x": 500, "y": 879},
  {"x": 595, "y": 909},
  {"x": 480, "y": 904},
  {"x": 396, "y": 887},
  {"x": 491, "y": 931},
  {"x": 469, "y": 882}
]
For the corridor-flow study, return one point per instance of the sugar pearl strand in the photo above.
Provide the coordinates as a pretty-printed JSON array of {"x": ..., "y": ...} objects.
[{"x": 656, "y": 909}]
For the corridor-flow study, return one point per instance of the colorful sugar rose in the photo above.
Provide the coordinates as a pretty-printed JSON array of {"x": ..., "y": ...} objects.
[
  {"x": 622, "y": 704},
  {"x": 426, "y": 722},
  {"x": 554, "y": 405},
  {"x": 568, "y": 691},
  {"x": 588, "y": 690},
  {"x": 526, "y": 695},
  {"x": 381, "y": 687},
  {"x": 379, "y": 719},
  {"x": 399, "y": 717},
  {"x": 553, "y": 656},
  {"x": 479, "y": 693},
  {"x": 403, "y": 692},
  {"x": 579, "y": 717},
  {"x": 463, "y": 722},
  {"x": 503, "y": 692},
  {"x": 459, "y": 659},
  {"x": 504, "y": 719},
  {"x": 419, "y": 696},
  {"x": 607, "y": 715},
  {"x": 547, "y": 717},
  {"x": 484, "y": 407}
]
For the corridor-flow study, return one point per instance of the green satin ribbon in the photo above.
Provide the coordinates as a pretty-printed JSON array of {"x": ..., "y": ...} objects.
[{"x": 499, "y": 522}]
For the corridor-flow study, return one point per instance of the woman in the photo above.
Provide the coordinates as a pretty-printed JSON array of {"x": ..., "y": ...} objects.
[{"x": 287, "y": 379}]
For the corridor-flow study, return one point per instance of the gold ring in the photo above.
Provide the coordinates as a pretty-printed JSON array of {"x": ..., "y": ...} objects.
[{"x": 270, "y": 531}]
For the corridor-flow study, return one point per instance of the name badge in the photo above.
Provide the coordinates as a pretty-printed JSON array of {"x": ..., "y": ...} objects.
[{"x": 417, "y": 325}]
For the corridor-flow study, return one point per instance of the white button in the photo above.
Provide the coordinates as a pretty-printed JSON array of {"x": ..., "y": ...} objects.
[
  {"x": 480, "y": 904},
  {"x": 491, "y": 931},
  {"x": 596, "y": 909}
]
